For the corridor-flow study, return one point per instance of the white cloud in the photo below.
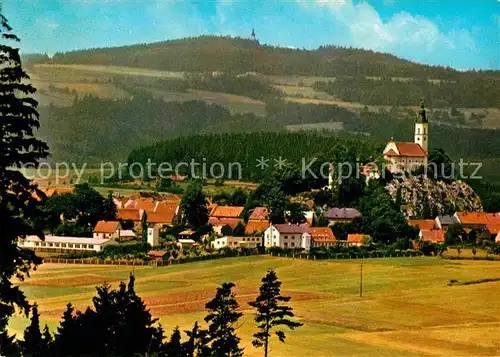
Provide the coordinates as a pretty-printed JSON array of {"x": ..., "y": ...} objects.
[{"x": 400, "y": 34}]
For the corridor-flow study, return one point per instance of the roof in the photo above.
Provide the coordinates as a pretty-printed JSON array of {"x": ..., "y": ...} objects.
[
  {"x": 341, "y": 213},
  {"x": 321, "y": 235},
  {"x": 163, "y": 217},
  {"x": 256, "y": 227},
  {"x": 107, "y": 227},
  {"x": 232, "y": 222},
  {"x": 408, "y": 149},
  {"x": 128, "y": 214},
  {"x": 447, "y": 220},
  {"x": 186, "y": 241},
  {"x": 147, "y": 204},
  {"x": 187, "y": 232},
  {"x": 127, "y": 233},
  {"x": 74, "y": 240},
  {"x": 291, "y": 228},
  {"x": 227, "y": 211},
  {"x": 357, "y": 238},
  {"x": 476, "y": 218},
  {"x": 432, "y": 235},
  {"x": 259, "y": 213},
  {"x": 157, "y": 253},
  {"x": 422, "y": 223},
  {"x": 391, "y": 153}
]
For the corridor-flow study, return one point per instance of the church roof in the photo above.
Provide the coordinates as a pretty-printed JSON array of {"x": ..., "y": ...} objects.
[
  {"x": 421, "y": 116},
  {"x": 391, "y": 153},
  {"x": 407, "y": 149}
]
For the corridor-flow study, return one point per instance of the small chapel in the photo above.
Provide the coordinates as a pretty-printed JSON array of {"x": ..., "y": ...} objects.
[{"x": 407, "y": 156}]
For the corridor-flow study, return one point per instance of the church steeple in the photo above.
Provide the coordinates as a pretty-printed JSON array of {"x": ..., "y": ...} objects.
[
  {"x": 422, "y": 128},
  {"x": 421, "y": 116},
  {"x": 252, "y": 36}
]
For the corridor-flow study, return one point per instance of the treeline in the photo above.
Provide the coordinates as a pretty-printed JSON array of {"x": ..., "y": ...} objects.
[
  {"x": 462, "y": 92},
  {"x": 251, "y": 86},
  {"x": 247, "y": 148},
  {"x": 237, "y": 55},
  {"x": 119, "y": 324},
  {"x": 95, "y": 129}
]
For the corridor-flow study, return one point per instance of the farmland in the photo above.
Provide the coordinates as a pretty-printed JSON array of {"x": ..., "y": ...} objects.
[{"x": 407, "y": 308}]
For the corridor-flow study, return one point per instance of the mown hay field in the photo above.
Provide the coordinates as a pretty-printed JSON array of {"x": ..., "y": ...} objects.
[{"x": 407, "y": 308}]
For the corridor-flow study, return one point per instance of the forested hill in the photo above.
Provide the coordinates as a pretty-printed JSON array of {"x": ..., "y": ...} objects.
[{"x": 237, "y": 55}]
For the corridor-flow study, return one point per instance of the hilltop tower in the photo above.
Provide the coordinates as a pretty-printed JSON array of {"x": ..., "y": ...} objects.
[
  {"x": 252, "y": 36},
  {"x": 422, "y": 129}
]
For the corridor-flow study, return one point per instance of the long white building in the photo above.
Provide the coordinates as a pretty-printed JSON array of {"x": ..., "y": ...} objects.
[{"x": 55, "y": 243}]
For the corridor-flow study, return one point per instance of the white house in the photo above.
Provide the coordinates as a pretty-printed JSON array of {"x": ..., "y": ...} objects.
[
  {"x": 236, "y": 242},
  {"x": 107, "y": 230},
  {"x": 406, "y": 156},
  {"x": 288, "y": 236},
  {"x": 55, "y": 243},
  {"x": 154, "y": 234}
]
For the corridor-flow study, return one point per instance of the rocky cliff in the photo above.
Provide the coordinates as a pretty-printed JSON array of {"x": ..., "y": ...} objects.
[{"x": 422, "y": 198}]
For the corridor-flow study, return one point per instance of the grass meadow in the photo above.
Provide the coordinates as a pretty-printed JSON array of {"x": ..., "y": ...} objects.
[{"x": 407, "y": 308}]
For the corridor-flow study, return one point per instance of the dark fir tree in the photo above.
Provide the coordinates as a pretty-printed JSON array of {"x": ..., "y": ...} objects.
[
  {"x": 47, "y": 341},
  {"x": 296, "y": 213},
  {"x": 109, "y": 208},
  {"x": 67, "y": 336},
  {"x": 194, "y": 206},
  {"x": 33, "y": 343},
  {"x": 271, "y": 312},
  {"x": 174, "y": 345},
  {"x": 18, "y": 206},
  {"x": 239, "y": 230},
  {"x": 222, "y": 318},
  {"x": 276, "y": 202},
  {"x": 197, "y": 344}
]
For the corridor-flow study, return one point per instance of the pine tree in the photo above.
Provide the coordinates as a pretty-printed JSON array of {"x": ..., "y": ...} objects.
[
  {"x": 47, "y": 341},
  {"x": 222, "y": 317},
  {"x": 33, "y": 342},
  {"x": 18, "y": 206},
  {"x": 197, "y": 345},
  {"x": 174, "y": 345},
  {"x": 271, "y": 313},
  {"x": 109, "y": 208},
  {"x": 194, "y": 206},
  {"x": 67, "y": 333}
]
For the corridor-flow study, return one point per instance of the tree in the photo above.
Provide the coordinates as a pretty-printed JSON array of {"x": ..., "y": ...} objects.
[
  {"x": 271, "y": 313},
  {"x": 174, "y": 346},
  {"x": 33, "y": 344},
  {"x": 18, "y": 206},
  {"x": 455, "y": 234},
  {"x": 194, "y": 206},
  {"x": 222, "y": 318},
  {"x": 239, "y": 230},
  {"x": 67, "y": 333},
  {"x": 276, "y": 202},
  {"x": 47, "y": 341},
  {"x": 144, "y": 226},
  {"x": 197, "y": 345},
  {"x": 296, "y": 213},
  {"x": 109, "y": 209},
  {"x": 238, "y": 198}
]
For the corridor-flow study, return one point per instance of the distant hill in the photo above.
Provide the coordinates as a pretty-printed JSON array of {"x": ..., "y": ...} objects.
[{"x": 237, "y": 55}]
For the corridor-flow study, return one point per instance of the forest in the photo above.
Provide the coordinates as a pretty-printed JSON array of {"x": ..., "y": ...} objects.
[
  {"x": 462, "y": 92},
  {"x": 95, "y": 130},
  {"x": 248, "y": 148},
  {"x": 238, "y": 55}
]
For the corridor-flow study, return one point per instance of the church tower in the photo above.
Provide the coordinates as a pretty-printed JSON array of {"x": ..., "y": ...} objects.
[
  {"x": 252, "y": 36},
  {"x": 422, "y": 129}
]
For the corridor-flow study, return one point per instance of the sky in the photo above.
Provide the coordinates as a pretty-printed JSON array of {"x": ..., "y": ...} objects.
[{"x": 464, "y": 34}]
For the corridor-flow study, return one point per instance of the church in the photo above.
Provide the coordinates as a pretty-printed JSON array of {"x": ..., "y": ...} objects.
[{"x": 407, "y": 156}]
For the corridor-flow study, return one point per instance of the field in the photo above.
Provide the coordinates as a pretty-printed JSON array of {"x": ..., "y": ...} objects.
[{"x": 407, "y": 308}]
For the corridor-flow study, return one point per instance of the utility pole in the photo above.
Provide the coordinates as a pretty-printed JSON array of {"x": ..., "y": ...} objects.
[{"x": 361, "y": 282}]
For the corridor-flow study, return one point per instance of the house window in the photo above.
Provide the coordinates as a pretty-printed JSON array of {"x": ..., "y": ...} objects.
[
  {"x": 286, "y": 244},
  {"x": 293, "y": 244}
]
